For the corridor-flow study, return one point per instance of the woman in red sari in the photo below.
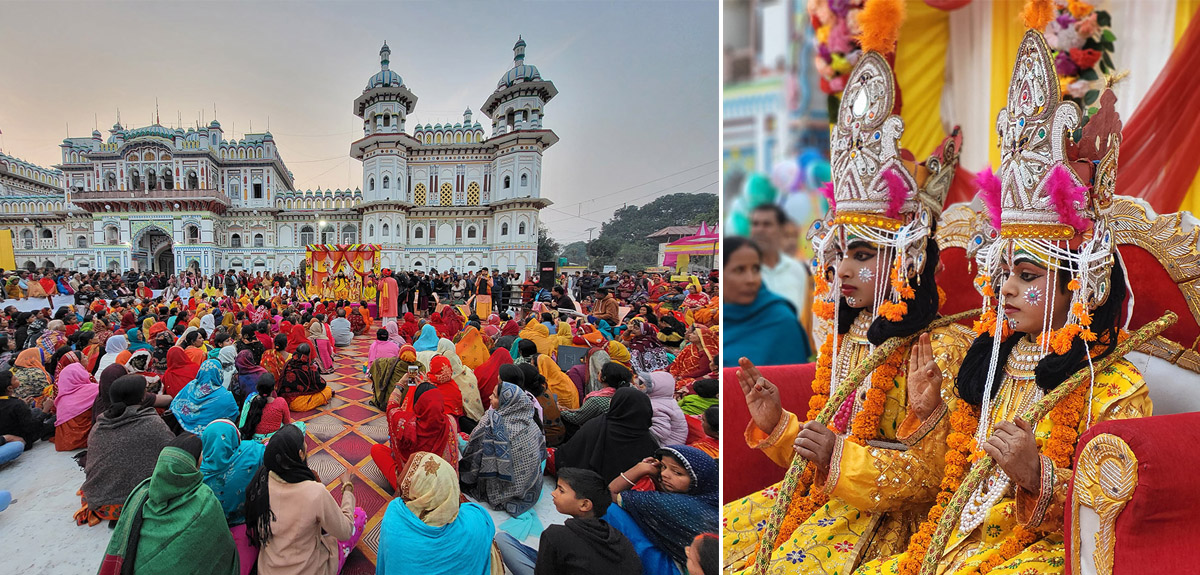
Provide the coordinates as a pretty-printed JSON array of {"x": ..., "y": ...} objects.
[
  {"x": 180, "y": 371},
  {"x": 439, "y": 324},
  {"x": 454, "y": 321},
  {"x": 488, "y": 374},
  {"x": 299, "y": 335},
  {"x": 410, "y": 327},
  {"x": 695, "y": 359},
  {"x": 276, "y": 357},
  {"x": 426, "y": 428},
  {"x": 441, "y": 374}
]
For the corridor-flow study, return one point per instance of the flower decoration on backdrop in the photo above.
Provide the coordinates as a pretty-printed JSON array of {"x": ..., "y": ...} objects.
[
  {"x": 1081, "y": 42},
  {"x": 835, "y": 25}
]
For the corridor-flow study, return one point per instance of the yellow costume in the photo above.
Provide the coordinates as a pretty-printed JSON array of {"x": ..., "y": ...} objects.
[{"x": 881, "y": 493}]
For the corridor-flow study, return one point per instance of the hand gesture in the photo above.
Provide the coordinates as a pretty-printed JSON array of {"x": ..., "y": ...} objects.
[
  {"x": 347, "y": 480},
  {"x": 649, "y": 466},
  {"x": 924, "y": 379},
  {"x": 1013, "y": 447},
  {"x": 815, "y": 443},
  {"x": 762, "y": 397}
]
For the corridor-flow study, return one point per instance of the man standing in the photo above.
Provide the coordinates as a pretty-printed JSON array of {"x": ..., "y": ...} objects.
[
  {"x": 389, "y": 296},
  {"x": 500, "y": 283},
  {"x": 781, "y": 273}
]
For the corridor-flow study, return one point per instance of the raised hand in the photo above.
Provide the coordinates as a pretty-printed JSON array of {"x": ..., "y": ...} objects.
[
  {"x": 924, "y": 379},
  {"x": 1013, "y": 447},
  {"x": 762, "y": 397}
]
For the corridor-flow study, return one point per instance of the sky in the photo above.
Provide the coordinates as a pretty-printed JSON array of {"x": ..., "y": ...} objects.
[{"x": 636, "y": 110}]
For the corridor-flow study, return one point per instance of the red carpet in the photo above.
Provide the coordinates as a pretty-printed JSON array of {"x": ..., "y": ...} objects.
[{"x": 340, "y": 436}]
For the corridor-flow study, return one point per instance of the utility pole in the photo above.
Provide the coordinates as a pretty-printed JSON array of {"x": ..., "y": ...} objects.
[{"x": 585, "y": 250}]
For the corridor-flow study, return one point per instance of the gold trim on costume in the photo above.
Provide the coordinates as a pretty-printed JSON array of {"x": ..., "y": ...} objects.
[{"x": 1105, "y": 478}]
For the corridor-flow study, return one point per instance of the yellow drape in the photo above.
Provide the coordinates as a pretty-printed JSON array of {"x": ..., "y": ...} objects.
[
  {"x": 1007, "y": 31},
  {"x": 921, "y": 75}
]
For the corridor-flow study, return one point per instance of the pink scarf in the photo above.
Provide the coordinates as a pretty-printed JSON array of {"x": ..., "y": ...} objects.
[{"x": 77, "y": 392}]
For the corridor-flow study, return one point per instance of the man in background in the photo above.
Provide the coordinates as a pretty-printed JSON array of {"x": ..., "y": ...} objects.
[{"x": 781, "y": 273}]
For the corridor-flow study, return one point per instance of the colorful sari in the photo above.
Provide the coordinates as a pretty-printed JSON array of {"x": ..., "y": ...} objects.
[
  {"x": 471, "y": 349},
  {"x": 695, "y": 359},
  {"x": 204, "y": 400},
  {"x": 228, "y": 464},
  {"x": 502, "y": 463},
  {"x": 427, "y": 427}
]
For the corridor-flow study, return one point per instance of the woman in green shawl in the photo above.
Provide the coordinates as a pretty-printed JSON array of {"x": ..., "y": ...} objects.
[{"x": 172, "y": 522}]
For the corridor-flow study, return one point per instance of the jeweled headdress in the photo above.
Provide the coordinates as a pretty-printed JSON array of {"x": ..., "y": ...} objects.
[
  {"x": 1050, "y": 198},
  {"x": 879, "y": 192}
]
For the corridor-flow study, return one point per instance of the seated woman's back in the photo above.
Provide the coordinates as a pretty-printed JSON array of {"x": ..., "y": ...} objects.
[{"x": 427, "y": 531}]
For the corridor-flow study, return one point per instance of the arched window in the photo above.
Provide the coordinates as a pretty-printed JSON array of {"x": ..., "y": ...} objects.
[
  {"x": 387, "y": 120},
  {"x": 27, "y": 239},
  {"x": 111, "y": 235},
  {"x": 419, "y": 194},
  {"x": 111, "y": 180},
  {"x": 193, "y": 234},
  {"x": 151, "y": 180},
  {"x": 135, "y": 180},
  {"x": 504, "y": 229},
  {"x": 168, "y": 180},
  {"x": 349, "y": 234},
  {"x": 235, "y": 241},
  {"x": 371, "y": 230},
  {"x": 47, "y": 234},
  {"x": 387, "y": 230},
  {"x": 329, "y": 234},
  {"x": 371, "y": 184},
  {"x": 306, "y": 235},
  {"x": 524, "y": 180},
  {"x": 507, "y": 182},
  {"x": 419, "y": 233},
  {"x": 471, "y": 232},
  {"x": 258, "y": 240},
  {"x": 192, "y": 181},
  {"x": 473, "y": 194},
  {"x": 81, "y": 242},
  {"x": 521, "y": 229},
  {"x": 387, "y": 182},
  {"x": 446, "y": 197}
]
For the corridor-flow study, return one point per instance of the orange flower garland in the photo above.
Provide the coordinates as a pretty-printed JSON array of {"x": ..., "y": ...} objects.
[
  {"x": 865, "y": 427},
  {"x": 1059, "y": 447}
]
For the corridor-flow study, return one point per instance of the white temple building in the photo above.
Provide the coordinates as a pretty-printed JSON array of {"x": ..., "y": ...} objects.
[{"x": 434, "y": 196}]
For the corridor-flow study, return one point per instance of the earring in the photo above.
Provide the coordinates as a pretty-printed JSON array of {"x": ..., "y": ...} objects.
[
  {"x": 866, "y": 274},
  {"x": 1033, "y": 295}
]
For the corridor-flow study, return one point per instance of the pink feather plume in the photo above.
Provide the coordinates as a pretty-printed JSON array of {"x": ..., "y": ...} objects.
[
  {"x": 827, "y": 191},
  {"x": 989, "y": 192},
  {"x": 897, "y": 192},
  {"x": 1066, "y": 198}
]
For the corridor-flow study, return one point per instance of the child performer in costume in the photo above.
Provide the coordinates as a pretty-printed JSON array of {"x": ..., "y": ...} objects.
[
  {"x": 878, "y": 242},
  {"x": 1054, "y": 292}
]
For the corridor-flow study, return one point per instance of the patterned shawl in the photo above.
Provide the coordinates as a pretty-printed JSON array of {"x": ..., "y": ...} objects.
[{"x": 503, "y": 459}]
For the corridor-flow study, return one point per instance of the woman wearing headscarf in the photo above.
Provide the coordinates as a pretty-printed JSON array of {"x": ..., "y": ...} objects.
[
  {"x": 180, "y": 371},
  {"x": 102, "y": 331},
  {"x": 502, "y": 463},
  {"x": 164, "y": 342},
  {"x": 318, "y": 335},
  {"x": 298, "y": 337},
  {"x": 564, "y": 335},
  {"x": 557, "y": 381},
  {"x": 54, "y": 337},
  {"x": 426, "y": 530},
  {"x": 13, "y": 288},
  {"x": 73, "y": 408},
  {"x": 294, "y": 521},
  {"x": 646, "y": 352},
  {"x": 228, "y": 358},
  {"x": 696, "y": 358},
  {"x": 665, "y": 520},
  {"x": 612, "y": 376},
  {"x": 615, "y": 441},
  {"x": 123, "y": 447},
  {"x": 487, "y": 376},
  {"x": 228, "y": 464},
  {"x": 510, "y": 328},
  {"x": 471, "y": 349},
  {"x": 428, "y": 340},
  {"x": 113, "y": 347},
  {"x": 301, "y": 384},
  {"x": 128, "y": 321},
  {"x": 111, "y": 374},
  {"x": 386, "y": 372},
  {"x": 619, "y": 353},
  {"x": 393, "y": 333},
  {"x": 539, "y": 334},
  {"x": 468, "y": 385},
  {"x": 64, "y": 357},
  {"x": 204, "y": 401},
  {"x": 669, "y": 425},
  {"x": 410, "y": 327},
  {"x": 172, "y": 523},
  {"x": 136, "y": 343},
  {"x": 208, "y": 323},
  {"x": 454, "y": 320},
  {"x": 442, "y": 375},
  {"x": 425, "y": 427},
  {"x": 32, "y": 380},
  {"x": 248, "y": 372}
]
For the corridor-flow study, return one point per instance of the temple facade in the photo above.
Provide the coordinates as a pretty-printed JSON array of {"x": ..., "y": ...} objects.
[{"x": 434, "y": 196}]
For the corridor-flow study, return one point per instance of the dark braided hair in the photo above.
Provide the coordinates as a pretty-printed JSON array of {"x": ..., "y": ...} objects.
[{"x": 922, "y": 309}]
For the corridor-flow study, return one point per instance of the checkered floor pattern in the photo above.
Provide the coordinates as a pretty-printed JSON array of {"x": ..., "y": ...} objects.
[{"x": 340, "y": 436}]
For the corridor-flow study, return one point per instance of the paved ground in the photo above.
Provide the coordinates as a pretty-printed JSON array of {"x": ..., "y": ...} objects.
[{"x": 40, "y": 537}]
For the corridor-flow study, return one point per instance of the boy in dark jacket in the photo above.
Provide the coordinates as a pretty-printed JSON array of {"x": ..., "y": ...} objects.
[{"x": 584, "y": 544}]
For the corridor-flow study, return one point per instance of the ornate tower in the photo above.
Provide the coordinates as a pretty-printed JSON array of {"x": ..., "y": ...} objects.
[{"x": 384, "y": 106}]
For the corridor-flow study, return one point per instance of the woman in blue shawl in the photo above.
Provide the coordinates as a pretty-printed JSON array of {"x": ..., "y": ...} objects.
[
  {"x": 228, "y": 465},
  {"x": 666, "y": 520},
  {"x": 428, "y": 340},
  {"x": 757, "y": 323},
  {"x": 502, "y": 463},
  {"x": 426, "y": 530},
  {"x": 136, "y": 343},
  {"x": 204, "y": 400}
]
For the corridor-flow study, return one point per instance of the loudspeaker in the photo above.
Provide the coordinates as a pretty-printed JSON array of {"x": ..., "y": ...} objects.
[{"x": 546, "y": 275}]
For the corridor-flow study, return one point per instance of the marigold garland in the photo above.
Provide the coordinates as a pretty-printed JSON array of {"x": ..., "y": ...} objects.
[
  {"x": 865, "y": 427},
  {"x": 1060, "y": 447}
]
